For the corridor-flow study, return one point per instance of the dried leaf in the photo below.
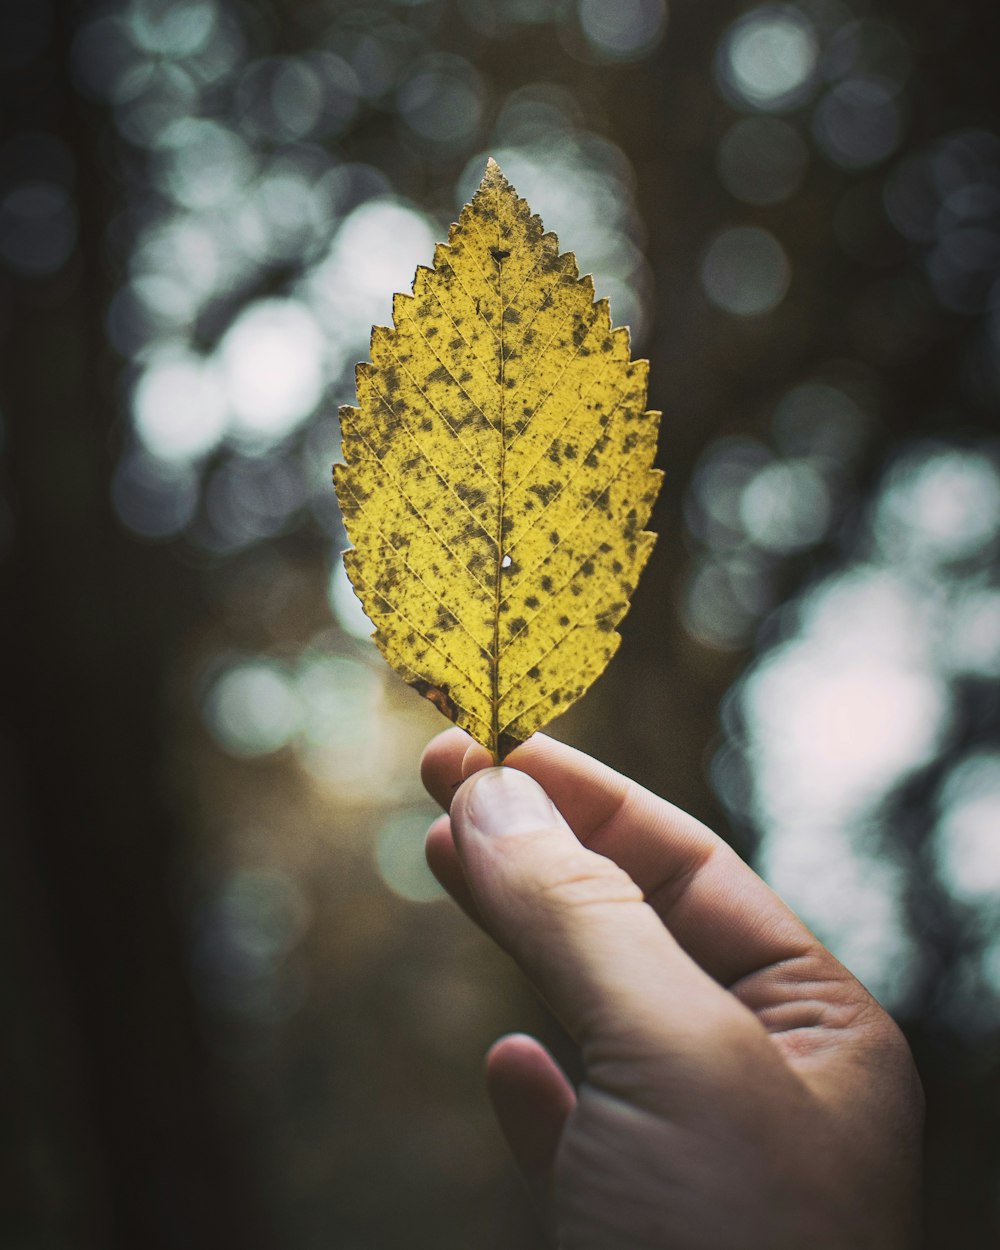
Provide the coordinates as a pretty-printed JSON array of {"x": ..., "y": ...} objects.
[{"x": 498, "y": 476}]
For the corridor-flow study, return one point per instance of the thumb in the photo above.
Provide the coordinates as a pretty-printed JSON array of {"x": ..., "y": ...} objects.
[{"x": 579, "y": 927}]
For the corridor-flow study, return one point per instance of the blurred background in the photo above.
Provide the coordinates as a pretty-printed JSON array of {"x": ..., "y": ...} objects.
[{"x": 236, "y": 1009}]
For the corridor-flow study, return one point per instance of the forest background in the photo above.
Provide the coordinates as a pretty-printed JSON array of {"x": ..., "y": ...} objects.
[{"x": 236, "y": 1009}]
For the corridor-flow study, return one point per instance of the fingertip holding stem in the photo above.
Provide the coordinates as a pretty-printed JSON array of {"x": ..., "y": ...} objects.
[{"x": 477, "y": 758}]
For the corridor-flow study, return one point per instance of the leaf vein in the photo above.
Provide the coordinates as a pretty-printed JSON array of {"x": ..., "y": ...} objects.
[
  {"x": 394, "y": 481},
  {"x": 569, "y": 363},
  {"x": 423, "y": 394},
  {"x": 422, "y": 452},
  {"x": 567, "y": 485},
  {"x": 569, "y": 533},
  {"x": 474, "y": 354},
  {"x": 398, "y": 551},
  {"x": 539, "y": 660},
  {"x": 472, "y": 300},
  {"x": 410, "y": 624},
  {"x": 598, "y": 380}
]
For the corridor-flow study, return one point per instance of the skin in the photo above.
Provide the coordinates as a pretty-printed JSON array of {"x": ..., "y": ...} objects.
[{"x": 742, "y": 1090}]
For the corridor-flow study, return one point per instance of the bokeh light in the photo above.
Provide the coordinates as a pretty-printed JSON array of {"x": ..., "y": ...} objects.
[
  {"x": 441, "y": 99},
  {"x": 834, "y": 719},
  {"x": 379, "y": 49},
  {"x": 974, "y": 637},
  {"x": 180, "y": 406},
  {"x": 251, "y": 708},
  {"x": 341, "y": 698},
  {"x": 940, "y": 505},
  {"x": 745, "y": 271},
  {"x": 152, "y": 98},
  {"x": 820, "y": 421},
  {"x": 399, "y": 855},
  {"x": 203, "y": 164},
  {"x": 292, "y": 98},
  {"x": 858, "y": 122},
  {"x": 351, "y": 739},
  {"x": 762, "y": 160},
  {"x": 767, "y": 59},
  {"x": 726, "y": 596},
  {"x": 717, "y": 486},
  {"x": 170, "y": 28},
  {"x": 623, "y": 31},
  {"x": 856, "y": 694},
  {"x": 842, "y": 710},
  {"x": 153, "y": 497},
  {"x": 374, "y": 253},
  {"x": 966, "y": 836},
  {"x": 247, "y": 500},
  {"x": 785, "y": 506},
  {"x": 271, "y": 359},
  {"x": 946, "y": 199},
  {"x": 103, "y": 54}
]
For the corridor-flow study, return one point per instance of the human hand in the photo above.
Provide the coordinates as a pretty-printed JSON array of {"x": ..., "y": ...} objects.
[{"x": 742, "y": 1090}]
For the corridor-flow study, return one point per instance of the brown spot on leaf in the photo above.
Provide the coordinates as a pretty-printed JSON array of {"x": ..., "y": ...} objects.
[
  {"x": 438, "y": 696},
  {"x": 546, "y": 491},
  {"x": 473, "y": 496}
]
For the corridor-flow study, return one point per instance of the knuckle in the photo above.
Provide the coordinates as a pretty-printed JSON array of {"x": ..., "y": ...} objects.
[{"x": 576, "y": 882}]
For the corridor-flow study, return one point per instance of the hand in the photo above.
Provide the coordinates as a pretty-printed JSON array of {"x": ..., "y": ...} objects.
[{"x": 742, "y": 1090}]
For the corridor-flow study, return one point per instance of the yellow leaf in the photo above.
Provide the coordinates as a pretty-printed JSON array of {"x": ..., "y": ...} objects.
[{"x": 498, "y": 476}]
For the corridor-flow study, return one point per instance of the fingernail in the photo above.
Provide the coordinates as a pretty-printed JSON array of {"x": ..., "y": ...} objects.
[{"x": 503, "y": 800}]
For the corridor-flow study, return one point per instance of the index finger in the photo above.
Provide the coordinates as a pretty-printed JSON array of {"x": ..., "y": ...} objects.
[{"x": 726, "y": 918}]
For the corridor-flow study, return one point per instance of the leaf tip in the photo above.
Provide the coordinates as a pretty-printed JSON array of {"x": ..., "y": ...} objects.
[{"x": 494, "y": 174}]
